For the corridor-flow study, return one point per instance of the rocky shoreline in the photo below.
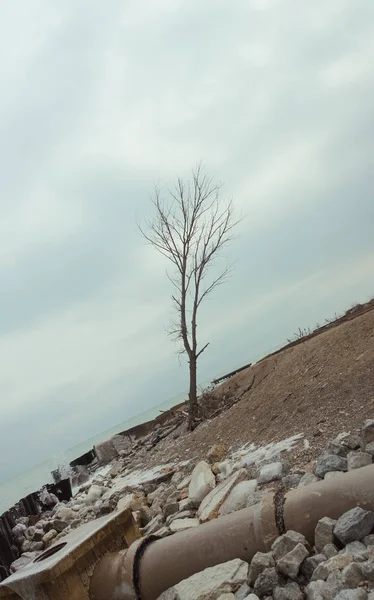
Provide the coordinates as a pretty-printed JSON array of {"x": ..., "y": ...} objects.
[{"x": 178, "y": 496}]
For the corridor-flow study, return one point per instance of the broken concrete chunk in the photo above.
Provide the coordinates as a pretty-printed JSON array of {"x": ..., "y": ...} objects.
[
  {"x": 242, "y": 495},
  {"x": 354, "y": 525},
  {"x": 213, "y": 582},
  {"x": 183, "y": 524},
  {"x": 211, "y": 504},
  {"x": 202, "y": 482}
]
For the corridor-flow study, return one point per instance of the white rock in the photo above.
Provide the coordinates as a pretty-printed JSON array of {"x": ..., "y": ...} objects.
[
  {"x": 184, "y": 483},
  {"x": 272, "y": 472},
  {"x": 242, "y": 495},
  {"x": 94, "y": 493},
  {"x": 64, "y": 513},
  {"x": 183, "y": 524},
  {"x": 213, "y": 501},
  {"x": 213, "y": 582},
  {"x": 202, "y": 482}
]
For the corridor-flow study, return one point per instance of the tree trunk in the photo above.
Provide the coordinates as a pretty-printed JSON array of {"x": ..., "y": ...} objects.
[{"x": 192, "y": 411}]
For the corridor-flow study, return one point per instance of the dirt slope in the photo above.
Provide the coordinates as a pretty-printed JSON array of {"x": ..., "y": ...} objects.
[{"x": 320, "y": 387}]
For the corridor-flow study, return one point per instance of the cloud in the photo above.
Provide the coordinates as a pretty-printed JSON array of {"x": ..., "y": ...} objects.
[{"x": 102, "y": 102}]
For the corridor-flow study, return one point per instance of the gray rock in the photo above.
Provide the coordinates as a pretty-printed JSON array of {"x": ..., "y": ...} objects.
[
  {"x": 266, "y": 582},
  {"x": 310, "y": 564},
  {"x": 354, "y": 525},
  {"x": 271, "y": 472},
  {"x": 290, "y": 564},
  {"x": 38, "y": 535},
  {"x": 337, "y": 448},
  {"x": 351, "y": 576},
  {"x": 291, "y": 480},
  {"x": 37, "y": 546},
  {"x": 202, "y": 482},
  {"x": 213, "y": 582},
  {"x": 359, "y": 594},
  {"x": 186, "y": 504},
  {"x": 156, "y": 523},
  {"x": 324, "y": 533},
  {"x": 170, "y": 509},
  {"x": 22, "y": 561},
  {"x": 356, "y": 460},
  {"x": 370, "y": 448},
  {"x": 367, "y": 569},
  {"x": 186, "y": 514},
  {"x": 26, "y": 546},
  {"x": 330, "y": 550},
  {"x": 369, "y": 540},
  {"x": 259, "y": 563},
  {"x": 367, "y": 432},
  {"x": 315, "y": 589},
  {"x": 240, "y": 497},
  {"x": 29, "y": 533},
  {"x": 287, "y": 542},
  {"x": 335, "y": 563},
  {"x": 353, "y": 441},
  {"x": 227, "y": 597},
  {"x": 252, "y": 597},
  {"x": 330, "y": 462},
  {"x": 334, "y": 584},
  {"x": 19, "y": 530},
  {"x": 290, "y": 591},
  {"x": 49, "y": 536},
  {"x": 357, "y": 550},
  {"x": 156, "y": 493},
  {"x": 307, "y": 479},
  {"x": 243, "y": 592}
]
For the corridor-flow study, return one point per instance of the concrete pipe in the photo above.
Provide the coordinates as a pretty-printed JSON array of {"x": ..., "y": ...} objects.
[{"x": 152, "y": 565}]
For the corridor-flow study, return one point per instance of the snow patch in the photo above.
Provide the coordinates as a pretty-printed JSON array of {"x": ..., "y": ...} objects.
[{"x": 251, "y": 455}]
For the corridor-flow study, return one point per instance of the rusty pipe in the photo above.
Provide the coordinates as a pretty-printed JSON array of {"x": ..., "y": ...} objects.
[{"x": 151, "y": 566}]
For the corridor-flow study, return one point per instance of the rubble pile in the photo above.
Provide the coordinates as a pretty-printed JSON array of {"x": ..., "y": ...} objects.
[{"x": 179, "y": 496}]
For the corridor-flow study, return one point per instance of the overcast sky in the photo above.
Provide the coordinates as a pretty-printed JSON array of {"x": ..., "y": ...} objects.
[{"x": 99, "y": 101}]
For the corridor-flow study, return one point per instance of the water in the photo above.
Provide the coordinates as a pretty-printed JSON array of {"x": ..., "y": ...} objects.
[{"x": 30, "y": 481}]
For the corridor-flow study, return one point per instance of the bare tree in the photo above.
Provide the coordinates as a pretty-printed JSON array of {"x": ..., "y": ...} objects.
[{"x": 189, "y": 229}]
